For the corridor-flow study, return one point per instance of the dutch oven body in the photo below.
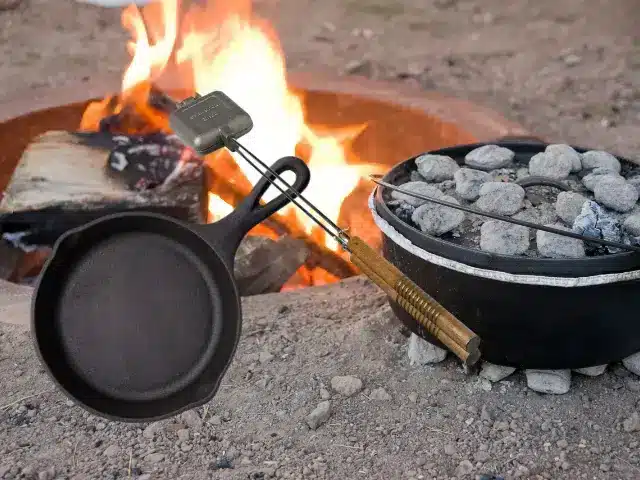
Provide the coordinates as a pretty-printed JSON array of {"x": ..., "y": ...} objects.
[{"x": 529, "y": 312}]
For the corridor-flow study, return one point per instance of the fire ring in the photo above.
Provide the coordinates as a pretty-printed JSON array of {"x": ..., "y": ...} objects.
[{"x": 401, "y": 123}]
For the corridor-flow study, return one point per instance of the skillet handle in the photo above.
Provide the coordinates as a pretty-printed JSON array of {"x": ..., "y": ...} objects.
[{"x": 250, "y": 212}]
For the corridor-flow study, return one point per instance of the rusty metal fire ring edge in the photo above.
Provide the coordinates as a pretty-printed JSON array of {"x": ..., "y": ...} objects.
[{"x": 479, "y": 121}]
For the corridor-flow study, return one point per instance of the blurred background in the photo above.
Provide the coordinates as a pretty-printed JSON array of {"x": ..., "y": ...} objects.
[{"x": 566, "y": 70}]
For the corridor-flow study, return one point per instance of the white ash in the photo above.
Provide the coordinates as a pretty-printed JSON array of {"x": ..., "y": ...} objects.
[
  {"x": 437, "y": 219},
  {"x": 468, "y": 182},
  {"x": 562, "y": 150},
  {"x": 632, "y": 224},
  {"x": 552, "y": 245},
  {"x": 504, "y": 238},
  {"x": 421, "y": 188},
  {"x": 596, "y": 176},
  {"x": 495, "y": 373},
  {"x": 569, "y": 205},
  {"x": 421, "y": 352},
  {"x": 556, "y": 382},
  {"x": 616, "y": 193},
  {"x": 594, "y": 371},
  {"x": 436, "y": 168},
  {"x": 489, "y": 157},
  {"x": 595, "y": 221},
  {"x": 549, "y": 165},
  {"x": 500, "y": 197},
  {"x": 595, "y": 158}
]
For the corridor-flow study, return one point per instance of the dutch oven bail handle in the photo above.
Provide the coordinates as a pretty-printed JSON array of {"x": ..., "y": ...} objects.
[{"x": 250, "y": 211}]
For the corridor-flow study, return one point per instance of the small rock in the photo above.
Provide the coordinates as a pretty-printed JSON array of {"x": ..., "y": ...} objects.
[
  {"x": 481, "y": 456},
  {"x": 495, "y": 373},
  {"x": 319, "y": 415},
  {"x": 265, "y": 357},
  {"x": 617, "y": 194},
  {"x": 468, "y": 182},
  {"x": 551, "y": 245},
  {"x": 568, "y": 152},
  {"x": 436, "y": 168},
  {"x": 413, "y": 397},
  {"x": 549, "y": 381},
  {"x": 154, "y": 457},
  {"x": 450, "y": 449},
  {"x": 422, "y": 352},
  {"x": 595, "y": 158},
  {"x": 489, "y": 157},
  {"x": 632, "y": 363},
  {"x": 551, "y": 166},
  {"x": 151, "y": 430},
  {"x": 4, "y": 469},
  {"x": 594, "y": 371},
  {"x": 48, "y": 474},
  {"x": 346, "y": 385},
  {"x": 485, "y": 414},
  {"x": 632, "y": 224},
  {"x": 191, "y": 419},
  {"x": 500, "y": 197},
  {"x": 325, "y": 394},
  {"x": 183, "y": 434},
  {"x": 437, "y": 219},
  {"x": 380, "y": 394},
  {"x": 421, "y": 188},
  {"x": 569, "y": 205},
  {"x": 112, "y": 451},
  {"x": 465, "y": 467},
  {"x": 598, "y": 175},
  {"x": 503, "y": 238},
  {"x": 632, "y": 424},
  {"x": 362, "y": 67}
]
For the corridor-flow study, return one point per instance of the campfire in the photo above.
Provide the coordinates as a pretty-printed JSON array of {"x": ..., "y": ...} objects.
[{"x": 179, "y": 48}]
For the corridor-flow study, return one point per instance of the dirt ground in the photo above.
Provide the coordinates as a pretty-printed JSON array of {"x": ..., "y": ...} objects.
[{"x": 567, "y": 70}]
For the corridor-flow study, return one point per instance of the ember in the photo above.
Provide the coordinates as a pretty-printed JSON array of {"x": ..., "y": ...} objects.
[{"x": 222, "y": 46}]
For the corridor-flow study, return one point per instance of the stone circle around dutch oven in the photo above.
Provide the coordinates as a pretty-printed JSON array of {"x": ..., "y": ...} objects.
[{"x": 601, "y": 201}]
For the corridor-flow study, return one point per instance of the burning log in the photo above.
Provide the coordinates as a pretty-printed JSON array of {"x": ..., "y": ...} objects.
[
  {"x": 263, "y": 265},
  {"x": 64, "y": 180}
]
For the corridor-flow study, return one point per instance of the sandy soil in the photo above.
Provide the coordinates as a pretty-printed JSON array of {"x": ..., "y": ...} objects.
[{"x": 568, "y": 70}]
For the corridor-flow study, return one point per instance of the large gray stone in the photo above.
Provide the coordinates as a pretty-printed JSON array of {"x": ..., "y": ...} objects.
[
  {"x": 561, "y": 150},
  {"x": 421, "y": 188},
  {"x": 500, "y": 197},
  {"x": 551, "y": 166},
  {"x": 489, "y": 157},
  {"x": 597, "y": 175},
  {"x": 437, "y": 219},
  {"x": 617, "y": 194},
  {"x": 469, "y": 181},
  {"x": 556, "y": 382},
  {"x": 552, "y": 245},
  {"x": 436, "y": 168},
  {"x": 569, "y": 205},
  {"x": 503, "y": 238},
  {"x": 596, "y": 158}
]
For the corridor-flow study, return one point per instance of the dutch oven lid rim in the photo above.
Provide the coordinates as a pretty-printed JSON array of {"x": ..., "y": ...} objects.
[{"x": 376, "y": 201}]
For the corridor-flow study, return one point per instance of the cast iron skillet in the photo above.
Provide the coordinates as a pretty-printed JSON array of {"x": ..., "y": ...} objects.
[
  {"x": 136, "y": 316},
  {"x": 522, "y": 325}
]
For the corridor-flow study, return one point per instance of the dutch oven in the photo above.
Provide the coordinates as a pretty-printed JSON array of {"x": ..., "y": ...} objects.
[{"x": 529, "y": 312}]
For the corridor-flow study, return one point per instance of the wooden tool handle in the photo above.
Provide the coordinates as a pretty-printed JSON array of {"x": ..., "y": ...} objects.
[
  {"x": 413, "y": 295},
  {"x": 426, "y": 324}
]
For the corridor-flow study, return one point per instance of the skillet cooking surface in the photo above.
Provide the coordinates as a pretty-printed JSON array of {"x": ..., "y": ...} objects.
[{"x": 135, "y": 319}]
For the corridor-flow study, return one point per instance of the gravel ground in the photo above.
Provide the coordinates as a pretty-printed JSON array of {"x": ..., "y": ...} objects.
[
  {"x": 566, "y": 70},
  {"x": 397, "y": 421}
]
